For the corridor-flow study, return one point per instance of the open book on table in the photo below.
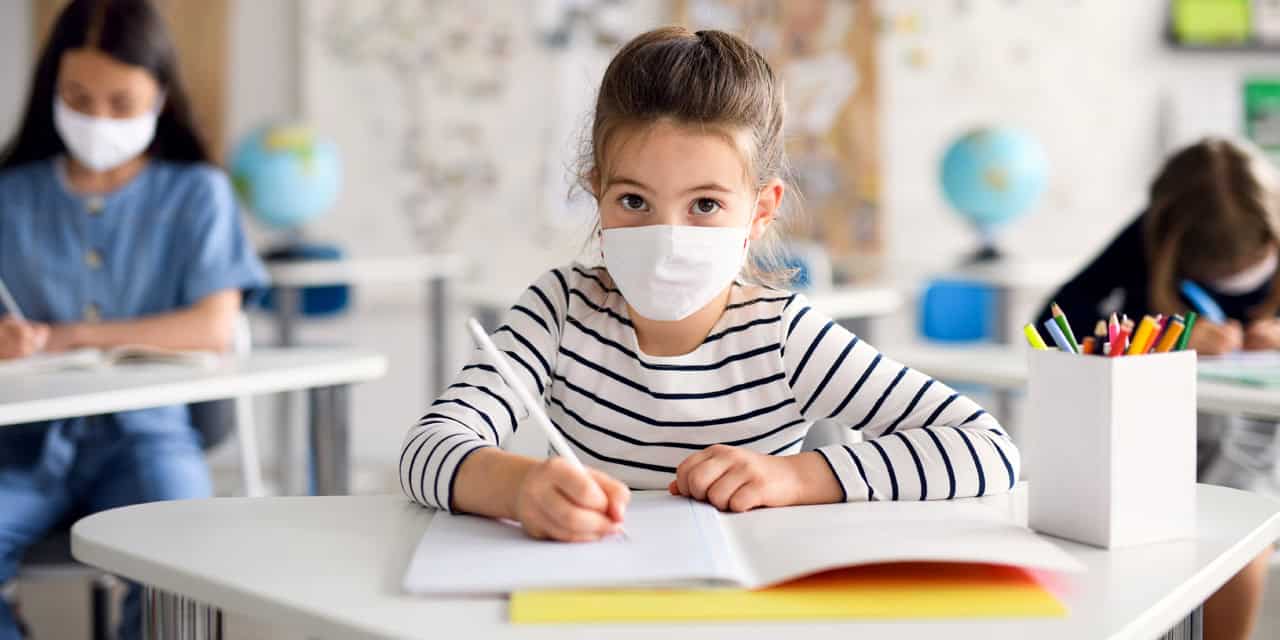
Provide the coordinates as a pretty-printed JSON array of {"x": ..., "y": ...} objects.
[
  {"x": 1253, "y": 368},
  {"x": 98, "y": 358},
  {"x": 677, "y": 542}
]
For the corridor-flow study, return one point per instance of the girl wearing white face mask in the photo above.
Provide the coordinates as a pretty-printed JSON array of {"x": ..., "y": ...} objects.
[
  {"x": 676, "y": 365},
  {"x": 1213, "y": 218},
  {"x": 114, "y": 229}
]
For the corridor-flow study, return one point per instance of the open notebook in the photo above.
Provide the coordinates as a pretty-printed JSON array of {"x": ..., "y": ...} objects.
[
  {"x": 97, "y": 358},
  {"x": 677, "y": 542},
  {"x": 1253, "y": 368}
]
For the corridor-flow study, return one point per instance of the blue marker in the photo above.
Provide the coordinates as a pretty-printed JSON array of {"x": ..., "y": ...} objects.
[
  {"x": 1203, "y": 302},
  {"x": 1059, "y": 338}
]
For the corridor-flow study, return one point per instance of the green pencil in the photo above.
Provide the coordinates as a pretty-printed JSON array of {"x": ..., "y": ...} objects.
[
  {"x": 1061, "y": 319},
  {"x": 1186, "y": 333}
]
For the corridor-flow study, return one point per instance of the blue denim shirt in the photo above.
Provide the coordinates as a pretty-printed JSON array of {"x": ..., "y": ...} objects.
[{"x": 170, "y": 237}]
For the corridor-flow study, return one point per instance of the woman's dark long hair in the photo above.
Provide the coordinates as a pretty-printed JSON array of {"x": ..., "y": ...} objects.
[{"x": 132, "y": 32}]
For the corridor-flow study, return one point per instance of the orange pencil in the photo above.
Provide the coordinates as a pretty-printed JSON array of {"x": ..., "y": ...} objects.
[
  {"x": 1086, "y": 347},
  {"x": 1170, "y": 336},
  {"x": 1162, "y": 321}
]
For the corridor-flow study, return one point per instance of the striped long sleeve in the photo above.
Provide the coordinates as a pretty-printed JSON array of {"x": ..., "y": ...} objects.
[
  {"x": 923, "y": 441},
  {"x": 768, "y": 369},
  {"x": 479, "y": 410}
]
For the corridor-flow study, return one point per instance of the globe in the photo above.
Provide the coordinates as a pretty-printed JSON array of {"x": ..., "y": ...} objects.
[
  {"x": 286, "y": 175},
  {"x": 992, "y": 176}
]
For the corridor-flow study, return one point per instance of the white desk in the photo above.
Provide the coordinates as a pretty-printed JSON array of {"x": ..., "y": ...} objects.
[
  {"x": 1006, "y": 368},
  {"x": 324, "y": 372},
  {"x": 290, "y": 277},
  {"x": 332, "y": 567},
  {"x": 855, "y": 303},
  {"x": 1011, "y": 277}
]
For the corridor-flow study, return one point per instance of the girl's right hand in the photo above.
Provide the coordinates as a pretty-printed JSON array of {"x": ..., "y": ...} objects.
[
  {"x": 1211, "y": 339},
  {"x": 560, "y": 501},
  {"x": 21, "y": 339}
]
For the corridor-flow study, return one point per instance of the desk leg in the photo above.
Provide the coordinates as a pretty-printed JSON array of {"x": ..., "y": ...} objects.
[
  {"x": 288, "y": 308},
  {"x": 168, "y": 616},
  {"x": 1190, "y": 628},
  {"x": 330, "y": 436},
  {"x": 1002, "y": 334},
  {"x": 438, "y": 335}
]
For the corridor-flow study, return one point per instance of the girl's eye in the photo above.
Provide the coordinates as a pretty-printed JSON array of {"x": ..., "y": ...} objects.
[
  {"x": 705, "y": 206},
  {"x": 632, "y": 202}
]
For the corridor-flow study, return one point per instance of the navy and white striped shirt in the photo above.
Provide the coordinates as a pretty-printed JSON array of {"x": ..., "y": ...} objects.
[{"x": 769, "y": 368}]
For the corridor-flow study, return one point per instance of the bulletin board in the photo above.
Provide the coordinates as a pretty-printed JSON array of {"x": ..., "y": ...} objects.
[
  {"x": 825, "y": 53},
  {"x": 199, "y": 31}
]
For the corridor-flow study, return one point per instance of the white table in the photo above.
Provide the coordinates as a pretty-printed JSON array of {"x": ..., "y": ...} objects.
[
  {"x": 436, "y": 270},
  {"x": 290, "y": 277},
  {"x": 1005, "y": 367},
  {"x": 324, "y": 372},
  {"x": 332, "y": 567},
  {"x": 1009, "y": 276},
  {"x": 852, "y": 303}
]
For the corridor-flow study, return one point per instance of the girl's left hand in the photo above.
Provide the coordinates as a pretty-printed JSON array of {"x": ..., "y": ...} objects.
[
  {"x": 1263, "y": 335},
  {"x": 737, "y": 479}
]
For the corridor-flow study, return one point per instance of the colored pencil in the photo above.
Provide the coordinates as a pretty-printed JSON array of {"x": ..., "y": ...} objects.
[
  {"x": 1186, "y": 331},
  {"x": 1061, "y": 319},
  {"x": 1033, "y": 337}
]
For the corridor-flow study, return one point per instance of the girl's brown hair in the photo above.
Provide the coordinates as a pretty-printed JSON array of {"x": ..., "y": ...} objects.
[
  {"x": 1214, "y": 209},
  {"x": 708, "y": 80}
]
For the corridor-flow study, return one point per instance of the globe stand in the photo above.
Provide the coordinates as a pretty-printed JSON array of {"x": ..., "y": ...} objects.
[{"x": 987, "y": 252}]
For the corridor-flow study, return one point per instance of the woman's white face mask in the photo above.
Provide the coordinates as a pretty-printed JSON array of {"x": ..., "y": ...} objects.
[
  {"x": 102, "y": 144},
  {"x": 1250, "y": 279},
  {"x": 667, "y": 272}
]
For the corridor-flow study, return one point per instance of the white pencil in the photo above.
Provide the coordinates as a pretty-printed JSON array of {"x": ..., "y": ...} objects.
[
  {"x": 10, "y": 303},
  {"x": 531, "y": 405}
]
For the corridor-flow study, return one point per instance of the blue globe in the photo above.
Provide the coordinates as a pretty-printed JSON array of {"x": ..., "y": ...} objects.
[
  {"x": 286, "y": 175},
  {"x": 993, "y": 175}
]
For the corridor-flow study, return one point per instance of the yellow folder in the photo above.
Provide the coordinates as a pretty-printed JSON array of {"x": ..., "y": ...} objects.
[{"x": 887, "y": 591}]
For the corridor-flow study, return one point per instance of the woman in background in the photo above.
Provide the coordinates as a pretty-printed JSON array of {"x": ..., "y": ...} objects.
[
  {"x": 114, "y": 229},
  {"x": 1213, "y": 218}
]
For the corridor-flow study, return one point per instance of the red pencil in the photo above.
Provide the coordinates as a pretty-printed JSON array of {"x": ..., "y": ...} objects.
[{"x": 1122, "y": 337}]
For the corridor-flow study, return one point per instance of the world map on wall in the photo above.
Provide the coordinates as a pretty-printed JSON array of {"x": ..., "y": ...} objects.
[{"x": 464, "y": 120}]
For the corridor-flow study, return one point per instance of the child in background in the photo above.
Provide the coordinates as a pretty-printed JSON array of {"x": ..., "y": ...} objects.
[
  {"x": 675, "y": 365},
  {"x": 1213, "y": 218},
  {"x": 114, "y": 229}
]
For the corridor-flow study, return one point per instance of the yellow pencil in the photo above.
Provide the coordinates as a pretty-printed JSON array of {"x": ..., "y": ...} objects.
[
  {"x": 1138, "y": 345},
  {"x": 1034, "y": 338}
]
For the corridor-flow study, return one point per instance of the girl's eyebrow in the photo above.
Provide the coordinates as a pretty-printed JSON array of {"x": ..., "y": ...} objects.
[
  {"x": 710, "y": 186},
  {"x": 628, "y": 181}
]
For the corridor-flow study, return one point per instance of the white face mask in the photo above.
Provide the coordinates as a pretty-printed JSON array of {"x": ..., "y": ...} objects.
[
  {"x": 1250, "y": 279},
  {"x": 667, "y": 272},
  {"x": 103, "y": 143}
]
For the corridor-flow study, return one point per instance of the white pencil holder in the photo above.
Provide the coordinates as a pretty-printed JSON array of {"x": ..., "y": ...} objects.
[{"x": 1111, "y": 447}]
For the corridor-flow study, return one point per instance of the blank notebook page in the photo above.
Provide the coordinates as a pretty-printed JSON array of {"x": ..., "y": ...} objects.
[{"x": 668, "y": 541}]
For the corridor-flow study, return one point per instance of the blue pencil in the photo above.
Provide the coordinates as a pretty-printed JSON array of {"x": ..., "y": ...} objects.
[
  {"x": 1203, "y": 302},
  {"x": 1059, "y": 338}
]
